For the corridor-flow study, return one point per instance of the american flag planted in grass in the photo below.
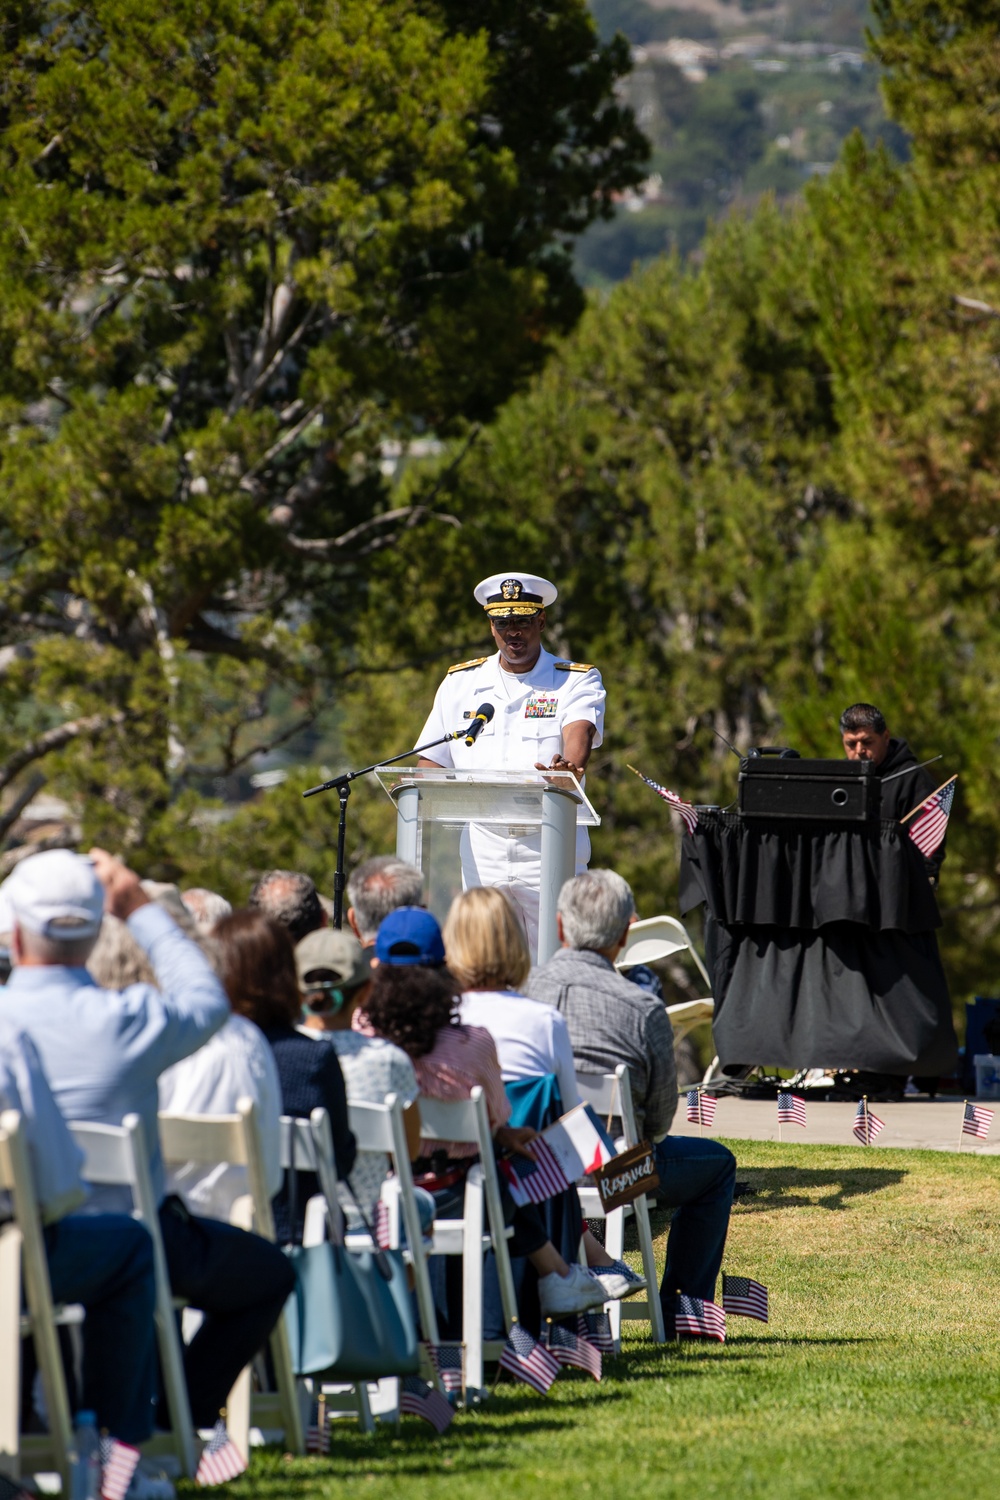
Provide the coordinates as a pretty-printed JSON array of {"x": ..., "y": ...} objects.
[
  {"x": 418, "y": 1399},
  {"x": 791, "y": 1110},
  {"x": 220, "y": 1459},
  {"x": 568, "y": 1349},
  {"x": 977, "y": 1121},
  {"x": 118, "y": 1463},
  {"x": 698, "y": 1316},
  {"x": 449, "y": 1362},
  {"x": 866, "y": 1125},
  {"x": 318, "y": 1432},
  {"x": 596, "y": 1327},
  {"x": 700, "y": 1107},
  {"x": 745, "y": 1297},
  {"x": 525, "y": 1359}
]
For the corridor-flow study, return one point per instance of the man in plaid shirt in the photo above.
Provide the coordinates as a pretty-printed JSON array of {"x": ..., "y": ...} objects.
[{"x": 613, "y": 1021}]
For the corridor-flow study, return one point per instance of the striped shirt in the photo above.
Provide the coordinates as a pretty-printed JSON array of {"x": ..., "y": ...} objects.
[{"x": 461, "y": 1058}]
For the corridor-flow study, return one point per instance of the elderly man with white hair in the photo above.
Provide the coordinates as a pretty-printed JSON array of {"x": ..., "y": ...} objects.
[{"x": 612, "y": 1021}]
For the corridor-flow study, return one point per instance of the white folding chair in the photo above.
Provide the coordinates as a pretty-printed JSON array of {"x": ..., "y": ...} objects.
[
  {"x": 235, "y": 1139},
  {"x": 115, "y": 1156},
  {"x": 21, "y": 1243},
  {"x": 656, "y": 938},
  {"x": 472, "y": 1235},
  {"x": 611, "y": 1094},
  {"x": 379, "y": 1127},
  {"x": 308, "y": 1145}
]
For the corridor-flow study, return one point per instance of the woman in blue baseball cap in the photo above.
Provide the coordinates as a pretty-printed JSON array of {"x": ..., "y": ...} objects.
[{"x": 414, "y": 1003}]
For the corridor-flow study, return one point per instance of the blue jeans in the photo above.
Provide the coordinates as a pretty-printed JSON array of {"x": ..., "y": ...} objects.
[
  {"x": 696, "y": 1178},
  {"x": 105, "y": 1262}
]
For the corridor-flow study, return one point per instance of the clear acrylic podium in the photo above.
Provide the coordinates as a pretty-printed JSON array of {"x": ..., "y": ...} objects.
[{"x": 522, "y": 801}]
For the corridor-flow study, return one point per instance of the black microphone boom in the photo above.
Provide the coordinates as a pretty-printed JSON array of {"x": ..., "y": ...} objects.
[{"x": 481, "y": 718}]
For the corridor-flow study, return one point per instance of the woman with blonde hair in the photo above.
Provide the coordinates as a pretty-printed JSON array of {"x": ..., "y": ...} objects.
[{"x": 488, "y": 955}]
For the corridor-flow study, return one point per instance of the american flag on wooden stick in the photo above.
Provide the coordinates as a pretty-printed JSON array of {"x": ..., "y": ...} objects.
[
  {"x": 318, "y": 1433},
  {"x": 678, "y": 804},
  {"x": 569, "y": 1349},
  {"x": 701, "y": 1318},
  {"x": 449, "y": 1362},
  {"x": 866, "y": 1125},
  {"x": 118, "y": 1463},
  {"x": 977, "y": 1121},
  {"x": 525, "y": 1359},
  {"x": 535, "y": 1180},
  {"x": 418, "y": 1399},
  {"x": 744, "y": 1297},
  {"x": 220, "y": 1459},
  {"x": 596, "y": 1328},
  {"x": 700, "y": 1107},
  {"x": 928, "y": 830},
  {"x": 791, "y": 1110}
]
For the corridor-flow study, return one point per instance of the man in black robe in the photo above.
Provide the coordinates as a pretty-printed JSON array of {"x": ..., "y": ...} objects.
[{"x": 866, "y": 737}]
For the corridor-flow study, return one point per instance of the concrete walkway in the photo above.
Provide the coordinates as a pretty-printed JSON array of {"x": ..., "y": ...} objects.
[{"x": 915, "y": 1124}]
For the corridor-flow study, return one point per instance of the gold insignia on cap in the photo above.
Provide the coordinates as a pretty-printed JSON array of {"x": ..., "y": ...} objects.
[{"x": 512, "y": 588}]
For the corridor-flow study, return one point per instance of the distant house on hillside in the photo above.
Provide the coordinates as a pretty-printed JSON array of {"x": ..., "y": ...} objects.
[{"x": 694, "y": 59}]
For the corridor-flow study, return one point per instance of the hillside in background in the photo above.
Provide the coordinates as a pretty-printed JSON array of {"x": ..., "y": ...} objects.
[{"x": 739, "y": 98}]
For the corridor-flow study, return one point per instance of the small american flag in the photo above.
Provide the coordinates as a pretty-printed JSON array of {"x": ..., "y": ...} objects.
[
  {"x": 118, "y": 1464},
  {"x": 791, "y": 1110},
  {"x": 380, "y": 1225},
  {"x": 537, "y": 1180},
  {"x": 866, "y": 1125},
  {"x": 569, "y": 1349},
  {"x": 928, "y": 831},
  {"x": 449, "y": 1362},
  {"x": 318, "y": 1434},
  {"x": 418, "y": 1399},
  {"x": 678, "y": 804},
  {"x": 525, "y": 1359},
  {"x": 596, "y": 1328},
  {"x": 220, "y": 1458},
  {"x": 700, "y": 1108},
  {"x": 977, "y": 1121},
  {"x": 698, "y": 1316},
  {"x": 744, "y": 1297}
]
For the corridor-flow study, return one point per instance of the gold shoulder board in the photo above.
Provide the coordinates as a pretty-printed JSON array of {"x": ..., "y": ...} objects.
[
  {"x": 465, "y": 666},
  {"x": 572, "y": 666}
]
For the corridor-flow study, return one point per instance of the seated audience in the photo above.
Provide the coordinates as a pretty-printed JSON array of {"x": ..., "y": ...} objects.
[
  {"x": 488, "y": 954},
  {"x": 257, "y": 966},
  {"x": 377, "y": 887},
  {"x": 414, "y": 1003},
  {"x": 103, "y": 1053},
  {"x": 291, "y": 899},
  {"x": 104, "y": 1262},
  {"x": 334, "y": 978},
  {"x": 612, "y": 1021}
]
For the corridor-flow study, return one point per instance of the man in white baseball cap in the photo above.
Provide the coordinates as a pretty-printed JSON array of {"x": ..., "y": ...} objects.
[
  {"x": 103, "y": 1051},
  {"x": 548, "y": 714}
]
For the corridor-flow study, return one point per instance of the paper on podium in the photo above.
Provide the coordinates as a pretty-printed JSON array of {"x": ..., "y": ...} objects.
[{"x": 485, "y": 796}]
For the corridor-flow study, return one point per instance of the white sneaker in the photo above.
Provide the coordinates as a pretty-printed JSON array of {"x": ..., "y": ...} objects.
[
  {"x": 561, "y": 1295},
  {"x": 618, "y": 1280}
]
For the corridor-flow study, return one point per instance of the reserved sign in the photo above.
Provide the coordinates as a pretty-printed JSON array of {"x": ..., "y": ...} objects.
[{"x": 627, "y": 1176}]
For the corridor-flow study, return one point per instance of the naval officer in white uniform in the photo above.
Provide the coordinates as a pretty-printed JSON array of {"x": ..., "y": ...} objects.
[{"x": 548, "y": 715}]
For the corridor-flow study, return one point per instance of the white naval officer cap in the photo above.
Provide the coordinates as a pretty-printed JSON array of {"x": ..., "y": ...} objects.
[{"x": 505, "y": 594}]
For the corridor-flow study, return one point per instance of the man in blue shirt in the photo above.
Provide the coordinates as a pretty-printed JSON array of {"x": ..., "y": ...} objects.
[{"x": 103, "y": 1051}]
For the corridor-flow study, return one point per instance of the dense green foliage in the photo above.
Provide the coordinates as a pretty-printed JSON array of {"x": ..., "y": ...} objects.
[
  {"x": 246, "y": 243},
  {"x": 767, "y": 487},
  {"x": 874, "y": 1377}
]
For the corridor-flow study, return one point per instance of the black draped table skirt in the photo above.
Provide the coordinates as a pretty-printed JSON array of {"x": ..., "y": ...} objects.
[{"x": 821, "y": 941}]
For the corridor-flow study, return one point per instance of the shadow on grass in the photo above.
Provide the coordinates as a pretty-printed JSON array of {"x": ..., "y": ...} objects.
[{"x": 795, "y": 1187}]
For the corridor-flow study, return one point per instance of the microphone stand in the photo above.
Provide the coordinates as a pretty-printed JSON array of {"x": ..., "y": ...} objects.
[{"x": 342, "y": 786}]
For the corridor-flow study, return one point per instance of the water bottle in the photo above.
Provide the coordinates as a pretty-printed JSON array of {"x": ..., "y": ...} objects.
[{"x": 87, "y": 1463}]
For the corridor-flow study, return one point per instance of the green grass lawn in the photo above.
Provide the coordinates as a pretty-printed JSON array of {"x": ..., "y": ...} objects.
[{"x": 877, "y": 1377}]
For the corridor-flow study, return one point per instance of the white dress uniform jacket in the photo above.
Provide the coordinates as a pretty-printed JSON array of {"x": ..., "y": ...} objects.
[{"x": 531, "y": 710}]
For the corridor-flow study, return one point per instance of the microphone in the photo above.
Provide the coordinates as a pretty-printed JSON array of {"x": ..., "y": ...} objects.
[{"x": 482, "y": 717}]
